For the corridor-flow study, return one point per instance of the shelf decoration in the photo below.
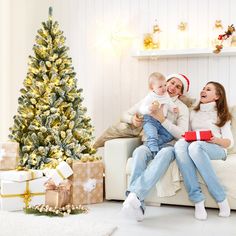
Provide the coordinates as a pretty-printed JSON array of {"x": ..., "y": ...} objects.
[
  {"x": 182, "y": 35},
  {"x": 233, "y": 41},
  {"x": 182, "y": 26},
  {"x": 147, "y": 41},
  {"x": 223, "y": 37},
  {"x": 156, "y": 36},
  {"x": 152, "y": 40},
  {"x": 216, "y": 31}
]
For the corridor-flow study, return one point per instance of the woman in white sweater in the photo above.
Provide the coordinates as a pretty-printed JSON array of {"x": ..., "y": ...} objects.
[{"x": 211, "y": 113}]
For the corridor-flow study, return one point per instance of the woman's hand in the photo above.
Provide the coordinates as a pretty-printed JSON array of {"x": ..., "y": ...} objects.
[
  {"x": 137, "y": 120},
  {"x": 224, "y": 142},
  {"x": 214, "y": 140},
  {"x": 158, "y": 114}
]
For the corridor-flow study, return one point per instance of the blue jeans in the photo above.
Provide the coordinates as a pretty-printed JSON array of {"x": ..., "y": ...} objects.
[
  {"x": 144, "y": 176},
  {"x": 156, "y": 134},
  {"x": 197, "y": 156}
]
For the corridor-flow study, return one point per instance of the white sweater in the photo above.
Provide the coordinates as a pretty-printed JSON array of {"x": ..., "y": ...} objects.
[
  {"x": 151, "y": 97},
  {"x": 206, "y": 119}
]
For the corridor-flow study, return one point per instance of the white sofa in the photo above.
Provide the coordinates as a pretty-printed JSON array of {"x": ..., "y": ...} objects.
[{"x": 118, "y": 164}]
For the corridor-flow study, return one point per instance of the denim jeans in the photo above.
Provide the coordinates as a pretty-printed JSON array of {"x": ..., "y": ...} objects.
[
  {"x": 197, "y": 156},
  {"x": 156, "y": 134},
  {"x": 144, "y": 176}
]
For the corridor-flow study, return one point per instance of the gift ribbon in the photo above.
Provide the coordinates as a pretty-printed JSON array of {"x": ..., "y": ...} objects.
[
  {"x": 31, "y": 173},
  {"x": 198, "y": 137},
  {"x": 2, "y": 153},
  {"x": 65, "y": 186},
  {"x": 5, "y": 154},
  {"x": 27, "y": 195},
  {"x": 60, "y": 174}
]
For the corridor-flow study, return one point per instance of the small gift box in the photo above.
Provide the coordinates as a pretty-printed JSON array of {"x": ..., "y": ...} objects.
[
  {"x": 62, "y": 172},
  {"x": 58, "y": 196},
  {"x": 198, "y": 135},
  {"x": 17, "y": 195},
  {"x": 21, "y": 175},
  {"x": 9, "y": 153},
  {"x": 87, "y": 182}
]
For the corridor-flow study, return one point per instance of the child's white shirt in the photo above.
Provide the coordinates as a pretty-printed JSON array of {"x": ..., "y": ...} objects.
[{"x": 151, "y": 97}]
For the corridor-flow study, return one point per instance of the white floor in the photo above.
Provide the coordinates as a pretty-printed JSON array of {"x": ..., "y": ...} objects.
[{"x": 164, "y": 221}]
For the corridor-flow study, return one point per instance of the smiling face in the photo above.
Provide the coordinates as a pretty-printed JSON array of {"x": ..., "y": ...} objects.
[
  {"x": 159, "y": 87},
  {"x": 209, "y": 94},
  {"x": 174, "y": 87}
]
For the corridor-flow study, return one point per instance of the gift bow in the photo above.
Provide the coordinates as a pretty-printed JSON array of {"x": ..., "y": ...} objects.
[
  {"x": 90, "y": 185},
  {"x": 64, "y": 186}
]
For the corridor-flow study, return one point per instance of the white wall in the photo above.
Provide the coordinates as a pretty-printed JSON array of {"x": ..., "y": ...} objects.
[{"x": 112, "y": 79}]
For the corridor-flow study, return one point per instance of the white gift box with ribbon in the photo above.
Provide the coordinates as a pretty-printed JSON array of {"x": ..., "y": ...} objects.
[
  {"x": 17, "y": 195},
  {"x": 62, "y": 172},
  {"x": 20, "y": 176}
]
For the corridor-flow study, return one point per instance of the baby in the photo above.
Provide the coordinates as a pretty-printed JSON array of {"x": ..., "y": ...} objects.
[{"x": 158, "y": 96}]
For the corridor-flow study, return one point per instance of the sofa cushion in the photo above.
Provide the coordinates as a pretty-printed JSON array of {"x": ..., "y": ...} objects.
[{"x": 119, "y": 130}]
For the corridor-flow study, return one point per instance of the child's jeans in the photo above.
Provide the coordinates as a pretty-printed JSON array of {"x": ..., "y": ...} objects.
[{"x": 156, "y": 134}]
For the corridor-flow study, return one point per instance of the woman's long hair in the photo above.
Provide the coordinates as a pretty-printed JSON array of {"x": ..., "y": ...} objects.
[{"x": 221, "y": 104}]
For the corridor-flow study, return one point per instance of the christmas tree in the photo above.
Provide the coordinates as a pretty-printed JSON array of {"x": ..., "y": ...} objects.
[{"x": 51, "y": 124}]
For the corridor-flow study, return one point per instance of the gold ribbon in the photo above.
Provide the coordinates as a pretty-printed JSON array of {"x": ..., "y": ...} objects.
[
  {"x": 60, "y": 174},
  {"x": 32, "y": 174},
  {"x": 27, "y": 195}
]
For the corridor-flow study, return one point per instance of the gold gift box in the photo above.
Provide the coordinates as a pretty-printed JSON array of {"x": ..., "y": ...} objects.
[
  {"x": 58, "y": 196},
  {"x": 9, "y": 154},
  {"x": 87, "y": 182}
]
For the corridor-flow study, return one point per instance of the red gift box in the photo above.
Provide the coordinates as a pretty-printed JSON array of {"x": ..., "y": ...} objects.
[{"x": 198, "y": 135}]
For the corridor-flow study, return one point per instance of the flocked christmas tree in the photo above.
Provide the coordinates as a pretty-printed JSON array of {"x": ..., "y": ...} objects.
[{"x": 51, "y": 123}]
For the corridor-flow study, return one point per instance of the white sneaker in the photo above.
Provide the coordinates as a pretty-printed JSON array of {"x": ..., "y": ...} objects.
[{"x": 131, "y": 207}]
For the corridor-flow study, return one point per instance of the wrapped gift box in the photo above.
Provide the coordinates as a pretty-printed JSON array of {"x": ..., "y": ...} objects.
[
  {"x": 198, "y": 135},
  {"x": 17, "y": 195},
  {"x": 87, "y": 182},
  {"x": 20, "y": 176},
  {"x": 9, "y": 154},
  {"x": 58, "y": 196},
  {"x": 62, "y": 172}
]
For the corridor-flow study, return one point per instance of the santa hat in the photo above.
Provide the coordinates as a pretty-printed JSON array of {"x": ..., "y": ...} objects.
[{"x": 183, "y": 79}]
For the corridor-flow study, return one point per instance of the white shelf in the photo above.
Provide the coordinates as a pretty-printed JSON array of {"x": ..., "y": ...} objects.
[{"x": 191, "y": 52}]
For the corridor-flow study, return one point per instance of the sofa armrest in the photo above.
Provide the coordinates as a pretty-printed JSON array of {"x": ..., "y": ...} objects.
[{"x": 116, "y": 154}]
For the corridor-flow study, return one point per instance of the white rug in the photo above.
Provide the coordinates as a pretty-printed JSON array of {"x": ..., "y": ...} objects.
[{"x": 20, "y": 224}]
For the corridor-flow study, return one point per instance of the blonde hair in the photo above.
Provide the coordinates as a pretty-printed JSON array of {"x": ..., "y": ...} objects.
[{"x": 155, "y": 76}]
